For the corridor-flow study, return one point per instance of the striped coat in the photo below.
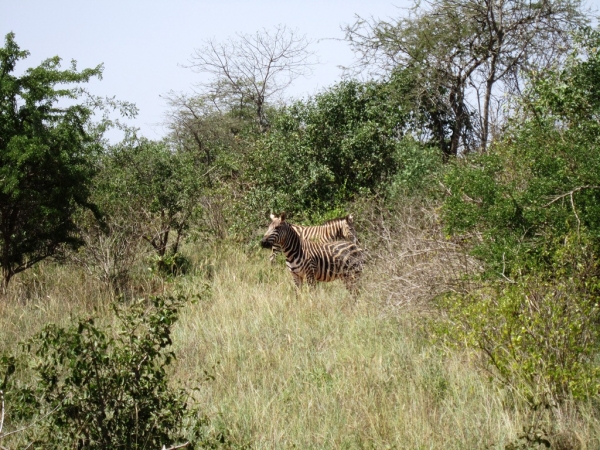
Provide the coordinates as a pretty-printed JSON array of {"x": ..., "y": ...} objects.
[
  {"x": 314, "y": 261},
  {"x": 338, "y": 229}
]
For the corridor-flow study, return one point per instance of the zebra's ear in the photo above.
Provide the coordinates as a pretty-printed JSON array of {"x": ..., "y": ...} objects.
[
  {"x": 282, "y": 216},
  {"x": 350, "y": 218},
  {"x": 273, "y": 217}
]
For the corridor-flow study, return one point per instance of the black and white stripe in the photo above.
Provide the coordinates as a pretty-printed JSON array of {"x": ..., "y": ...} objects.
[
  {"x": 338, "y": 229},
  {"x": 314, "y": 261}
]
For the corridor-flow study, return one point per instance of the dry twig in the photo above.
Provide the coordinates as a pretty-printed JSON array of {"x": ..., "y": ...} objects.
[
  {"x": 570, "y": 195},
  {"x": 176, "y": 446}
]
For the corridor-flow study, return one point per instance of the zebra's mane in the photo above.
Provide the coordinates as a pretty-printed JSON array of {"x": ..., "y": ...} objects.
[{"x": 337, "y": 219}]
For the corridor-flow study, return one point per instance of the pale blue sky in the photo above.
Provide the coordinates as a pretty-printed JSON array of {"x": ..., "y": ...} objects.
[{"x": 143, "y": 43}]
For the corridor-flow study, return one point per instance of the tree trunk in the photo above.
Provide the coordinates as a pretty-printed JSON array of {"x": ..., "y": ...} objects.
[
  {"x": 491, "y": 79},
  {"x": 457, "y": 105},
  {"x": 6, "y": 276},
  {"x": 5, "y": 263}
]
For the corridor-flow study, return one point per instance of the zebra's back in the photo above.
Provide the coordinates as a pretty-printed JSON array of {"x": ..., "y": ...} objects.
[
  {"x": 333, "y": 260},
  {"x": 338, "y": 229}
]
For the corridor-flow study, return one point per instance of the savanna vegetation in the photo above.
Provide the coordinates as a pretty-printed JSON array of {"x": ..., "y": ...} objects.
[{"x": 137, "y": 309}]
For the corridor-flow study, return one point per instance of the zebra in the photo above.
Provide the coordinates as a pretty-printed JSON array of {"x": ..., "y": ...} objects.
[
  {"x": 338, "y": 229},
  {"x": 314, "y": 261}
]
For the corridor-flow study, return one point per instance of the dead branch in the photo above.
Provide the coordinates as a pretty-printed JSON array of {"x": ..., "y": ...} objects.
[
  {"x": 176, "y": 446},
  {"x": 572, "y": 201},
  {"x": 570, "y": 193}
]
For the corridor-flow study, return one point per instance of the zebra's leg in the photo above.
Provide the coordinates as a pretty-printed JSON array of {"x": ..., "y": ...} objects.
[
  {"x": 351, "y": 282},
  {"x": 274, "y": 250},
  {"x": 273, "y": 256},
  {"x": 310, "y": 279},
  {"x": 297, "y": 281}
]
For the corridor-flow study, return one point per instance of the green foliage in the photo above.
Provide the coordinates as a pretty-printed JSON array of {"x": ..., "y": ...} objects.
[
  {"x": 152, "y": 190},
  {"x": 541, "y": 337},
  {"x": 572, "y": 95},
  {"x": 417, "y": 167},
  {"x": 531, "y": 211},
  {"x": 172, "y": 264},
  {"x": 214, "y": 137},
  {"x": 46, "y": 157},
  {"x": 218, "y": 139},
  {"x": 346, "y": 142},
  {"x": 543, "y": 181},
  {"x": 108, "y": 387}
]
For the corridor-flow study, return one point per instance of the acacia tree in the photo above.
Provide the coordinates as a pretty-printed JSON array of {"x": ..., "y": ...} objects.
[
  {"x": 466, "y": 53},
  {"x": 46, "y": 158},
  {"x": 253, "y": 69}
]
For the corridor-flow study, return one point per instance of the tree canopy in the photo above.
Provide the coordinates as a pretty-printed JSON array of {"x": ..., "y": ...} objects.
[
  {"x": 47, "y": 148},
  {"x": 254, "y": 69},
  {"x": 465, "y": 54},
  {"x": 541, "y": 183}
]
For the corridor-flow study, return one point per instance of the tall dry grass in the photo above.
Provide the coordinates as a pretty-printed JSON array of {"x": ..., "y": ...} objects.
[
  {"x": 324, "y": 370},
  {"x": 411, "y": 260},
  {"x": 321, "y": 369}
]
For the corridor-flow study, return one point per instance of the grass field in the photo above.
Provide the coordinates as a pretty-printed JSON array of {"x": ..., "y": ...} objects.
[{"x": 321, "y": 369}]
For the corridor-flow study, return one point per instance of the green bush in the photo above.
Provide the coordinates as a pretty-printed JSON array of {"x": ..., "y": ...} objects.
[
  {"x": 149, "y": 188},
  {"x": 105, "y": 387},
  {"x": 530, "y": 210},
  {"x": 171, "y": 264},
  {"x": 540, "y": 336},
  {"x": 542, "y": 181},
  {"x": 347, "y": 142}
]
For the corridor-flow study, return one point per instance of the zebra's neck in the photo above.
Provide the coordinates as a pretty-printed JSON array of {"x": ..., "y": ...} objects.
[{"x": 291, "y": 243}]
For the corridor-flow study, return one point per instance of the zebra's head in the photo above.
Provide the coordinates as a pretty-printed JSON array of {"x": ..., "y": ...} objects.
[
  {"x": 343, "y": 227},
  {"x": 348, "y": 230},
  {"x": 273, "y": 234}
]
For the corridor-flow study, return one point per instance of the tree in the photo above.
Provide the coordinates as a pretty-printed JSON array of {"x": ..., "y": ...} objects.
[
  {"x": 254, "y": 69},
  {"x": 542, "y": 181},
  {"x": 212, "y": 137},
  {"x": 530, "y": 209},
  {"x": 462, "y": 49},
  {"x": 217, "y": 141},
  {"x": 345, "y": 142},
  {"x": 47, "y": 150},
  {"x": 148, "y": 183}
]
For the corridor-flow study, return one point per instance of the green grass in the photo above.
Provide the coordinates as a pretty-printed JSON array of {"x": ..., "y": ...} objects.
[
  {"x": 325, "y": 370},
  {"x": 316, "y": 370}
]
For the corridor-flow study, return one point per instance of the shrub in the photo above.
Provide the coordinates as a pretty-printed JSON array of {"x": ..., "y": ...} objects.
[
  {"x": 108, "y": 387},
  {"x": 150, "y": 192},
  {"x": 530, "y": 208},
  {"x": 540, "y": 338},
  {"x": 347, "y": 142}
]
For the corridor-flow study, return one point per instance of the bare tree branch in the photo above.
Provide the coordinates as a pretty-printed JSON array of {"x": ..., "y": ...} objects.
[
  {"x": 469, "y": 52},
  {"x": 175, "y": 446},
  {"x": 572, "y": 201},
  {"x": 570, "y": 193},
  {"x": 1, "y": 411},
  {"x": 253, "y": 69}
]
